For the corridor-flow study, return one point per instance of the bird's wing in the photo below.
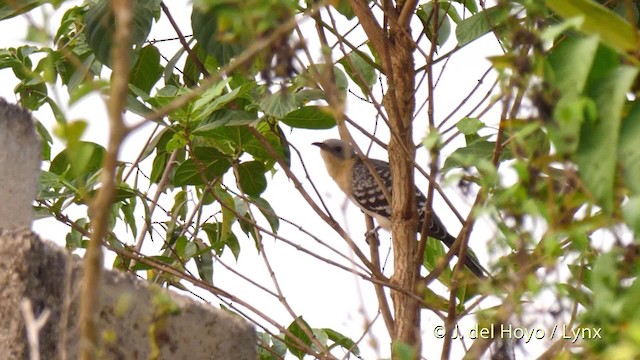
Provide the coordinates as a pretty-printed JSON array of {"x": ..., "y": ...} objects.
[
  {"x": 365, "y": 189},
  {"x": 368, "y": 196}
]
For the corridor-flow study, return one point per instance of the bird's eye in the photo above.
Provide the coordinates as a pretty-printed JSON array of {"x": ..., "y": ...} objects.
[{"x": 337, "y": 148}]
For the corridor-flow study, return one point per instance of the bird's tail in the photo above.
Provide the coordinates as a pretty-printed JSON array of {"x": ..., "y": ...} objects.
[{"x": 470, "y": 260}]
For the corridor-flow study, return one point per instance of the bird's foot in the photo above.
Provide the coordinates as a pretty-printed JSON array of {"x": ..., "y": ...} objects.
[{"x": 372, "y": 234}]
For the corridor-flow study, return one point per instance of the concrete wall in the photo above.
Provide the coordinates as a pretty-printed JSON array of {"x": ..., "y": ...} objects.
[
  {"x": 20, "y": 156},
  {"x": 137, "y": 320}
]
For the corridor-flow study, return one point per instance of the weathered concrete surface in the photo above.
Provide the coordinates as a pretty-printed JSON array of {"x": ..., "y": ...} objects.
[
  {"x": 19, "y": 166},
  {"x": 137, "y": 320}
]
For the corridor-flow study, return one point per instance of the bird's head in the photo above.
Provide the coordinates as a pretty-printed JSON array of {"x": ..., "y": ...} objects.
[
  {"x": 335, "y": 149},
  {"x": 339, "y": 158}
]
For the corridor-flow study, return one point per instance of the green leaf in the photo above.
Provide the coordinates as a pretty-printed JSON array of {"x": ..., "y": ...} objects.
[
  {"x": 279, "y": 104},
  {"x": 136, "y": 106},
  {"x": 296, "y": 330},
  {"x": 603, "y": 282},
  {"x": 343, "y": 341},
  {"x": 255, "y": 148},
  {"x": 180, "y": 247},
  {"x": 531, "y": 138},
  {"x": 147, "y": 70},
  {"x": 631, "y": 213},
  {"x": 128, "y": 208},
  {"x": 47, "y": 140},
  {"x": 434, "y": 300},
  {"x": 178, "y": 141},
  {"x": 172, "y": 64},
  {"x": 480, "y": 24},
  {"x": 472, "y": 154},
  {"x": 306, "y": 95},
  {"x": 217, "y": 103},
  {"x": 206, "y": 29},
  {"x": 209, "y": 95},
  {"x": 402, "y": 351},
  {"x": 75, "y": 76},
  {"x": 159, "y": 258},
  {"x": 158, "y": 166},
  {"x": 321, "y": 336},
  {"x": 167, "y": 94},
  {"x": 214, "y": 162},
  {"x": 228, "y": 207},
  {"x": 268, "y": 212},
  {"x": 83, "y": 89},
  {"x": 74, "y": 238},
  {"x": 432, "y": 140},
  {"x": 469, "y": 4},
  {"x": 204, "y": 261},
  {"x": 276, "y": 351},
  {"x": 231, "y": 241},
  {"x": 569, "y": 114},
  {"x": 53, "y": 186},
  {"x": 311, "y": 117},
  {"x": 32, "y": 97},
  {"x": 345, "y": 9},
  {"x": 100, "y": 26},
  {"x": 433, "y": 252},
  {"x": 571, "y": 62},
  {"x": 322, "y": 71},
  {"x": 341, "y": 79},
  {"x": 551, "y": 33},
  {"x": 224, "y": 117},
  {"x": 9, "y": 9},
  {"x": 158, "y": 143},
  {"x": 425, "y": 14},
  {"x": 191, "y": 72},
  {"x": 629, "y": 151},
  {"x": 448, "y": 7},
  {"x": 226, "y": 139},
  {"x": 124, "y": 192},
  {"x": 598, "y": 20},
  {"x": 596, "y": 155},
  {"x": 81, "y": 162},
  {"x": 469, "y": 126},
  {"x": 180, "y": 205},
  {"x": 359, "y": 69},
  {"x": 251, "y": 178}
]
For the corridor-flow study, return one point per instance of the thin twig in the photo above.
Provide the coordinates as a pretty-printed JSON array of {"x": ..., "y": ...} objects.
[
  {"x": 183, "y": 41},
  {"x": 283, "y": 299},
  {"x": 101, "y": 206},
  {"x": 383, "y": 304},
  {"x": 164, "y": 180}
]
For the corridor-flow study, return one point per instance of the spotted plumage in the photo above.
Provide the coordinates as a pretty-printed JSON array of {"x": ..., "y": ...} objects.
[{"x": 356, "y": 180}]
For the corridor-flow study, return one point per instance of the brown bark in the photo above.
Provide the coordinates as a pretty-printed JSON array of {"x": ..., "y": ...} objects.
[
  {"x": 101, "y": 205},
  {"x": 400, "y": 103},
  {"x": 395, "y": 47}
]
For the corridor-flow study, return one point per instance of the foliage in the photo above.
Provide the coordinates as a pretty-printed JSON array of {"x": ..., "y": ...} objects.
[{"x": 555, "y": 171}]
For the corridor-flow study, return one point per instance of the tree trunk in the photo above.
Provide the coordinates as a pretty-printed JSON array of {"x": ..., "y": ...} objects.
[{"x": 395, "y": 47}]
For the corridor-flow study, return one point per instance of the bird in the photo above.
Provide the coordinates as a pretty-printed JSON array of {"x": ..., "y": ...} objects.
[{"x": 354, "y": 178}]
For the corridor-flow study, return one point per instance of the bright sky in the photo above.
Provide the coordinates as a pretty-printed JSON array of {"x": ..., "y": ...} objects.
[{"x": 324, "y": 295}]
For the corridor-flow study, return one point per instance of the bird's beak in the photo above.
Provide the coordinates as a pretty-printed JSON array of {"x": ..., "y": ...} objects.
[{"x": 321, "y": 145}]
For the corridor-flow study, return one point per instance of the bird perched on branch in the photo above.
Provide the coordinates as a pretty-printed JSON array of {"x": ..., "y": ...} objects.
[{"x": 354, "y": 178}]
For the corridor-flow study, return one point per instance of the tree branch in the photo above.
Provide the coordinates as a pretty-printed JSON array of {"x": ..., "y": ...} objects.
[
  {"x": 374, "y": 32},
  {"x": 101, "y": 206}
]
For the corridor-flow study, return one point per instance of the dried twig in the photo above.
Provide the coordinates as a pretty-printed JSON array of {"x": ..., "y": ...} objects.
[{"x": 33, "y": 326}]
